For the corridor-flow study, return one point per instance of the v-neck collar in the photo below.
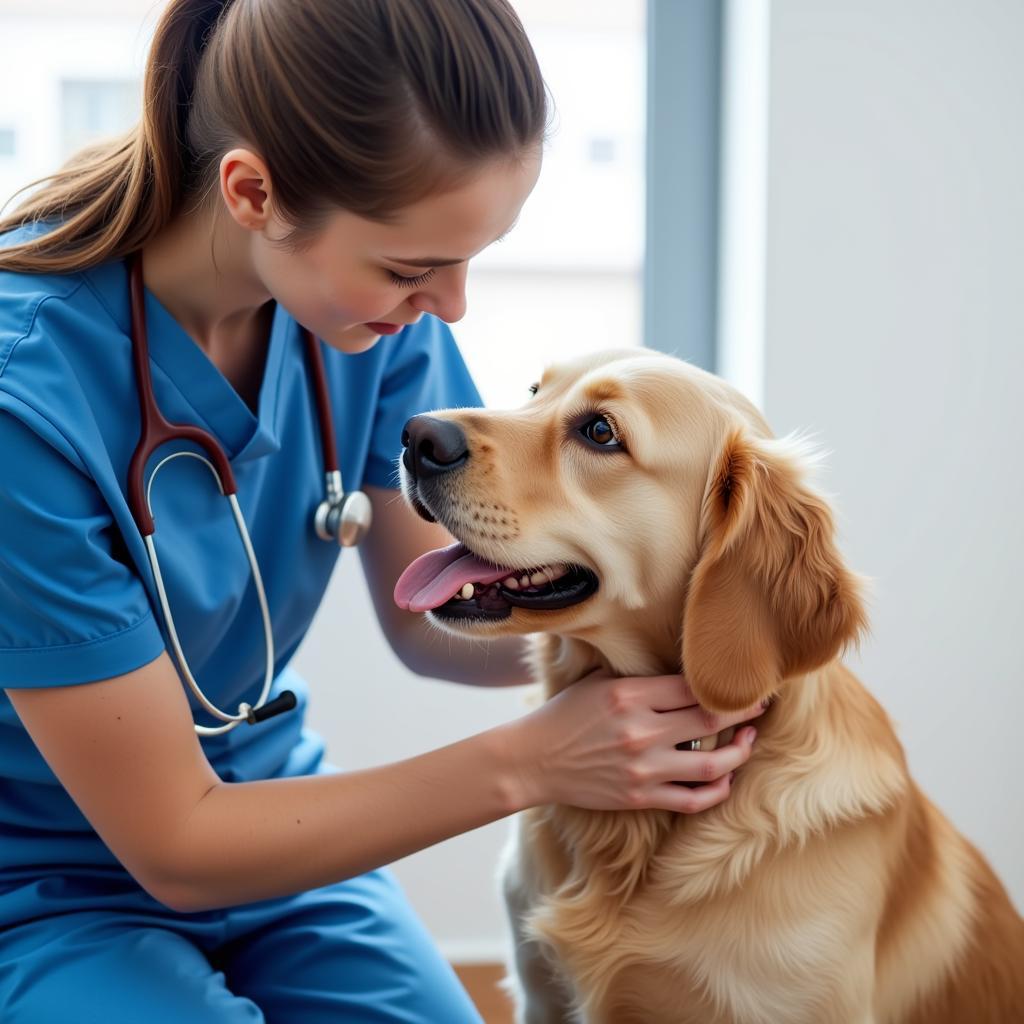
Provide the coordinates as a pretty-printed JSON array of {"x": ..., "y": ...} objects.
[
  {"x": 178, "y": 356},
  {"x": 244, "y": 435}
]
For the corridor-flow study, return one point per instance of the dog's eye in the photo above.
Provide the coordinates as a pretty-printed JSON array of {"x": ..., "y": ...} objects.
[{"x": 600, "y": 431}]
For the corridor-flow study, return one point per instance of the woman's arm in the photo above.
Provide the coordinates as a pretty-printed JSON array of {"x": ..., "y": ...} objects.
[
  {"x": 126, "y": 751},
  {"x": 397, "y": 537}
]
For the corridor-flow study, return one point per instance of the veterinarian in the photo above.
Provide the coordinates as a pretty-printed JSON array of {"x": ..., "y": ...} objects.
[{"x": 332, "y": 164}]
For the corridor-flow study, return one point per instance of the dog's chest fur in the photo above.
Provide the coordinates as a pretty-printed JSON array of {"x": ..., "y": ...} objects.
[
  {"x": 612, "y": 905},
  {"x": 624, "y": 902}
]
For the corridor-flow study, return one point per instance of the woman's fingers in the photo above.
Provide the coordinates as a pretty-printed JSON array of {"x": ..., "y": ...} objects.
[
  {"x": 690, "y": 801},
  {"x": 696, "y": 722},
  {"x": 665, "y": 693},
  {"x": 601, "y": 744},
  {"x": 715, "y": 770},
  {"x": 705, "y": 766}
]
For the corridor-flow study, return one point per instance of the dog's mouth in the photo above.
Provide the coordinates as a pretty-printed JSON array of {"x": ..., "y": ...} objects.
[{"x": 455, "y": 583}]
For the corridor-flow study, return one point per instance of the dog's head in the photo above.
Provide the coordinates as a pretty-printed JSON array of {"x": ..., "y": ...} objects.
[{"x": 633, "y": 495}]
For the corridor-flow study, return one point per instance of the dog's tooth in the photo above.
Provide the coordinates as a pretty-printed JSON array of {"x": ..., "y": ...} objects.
[
  {"x": 512, "y": 583},
  {"x": 538, "y": 578},
  {"x": 467, "y": 591},
  {"x": 524, "y": 580}
]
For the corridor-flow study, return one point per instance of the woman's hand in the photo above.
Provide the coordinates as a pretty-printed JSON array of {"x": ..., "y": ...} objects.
[{"x": 608, "y": 743}]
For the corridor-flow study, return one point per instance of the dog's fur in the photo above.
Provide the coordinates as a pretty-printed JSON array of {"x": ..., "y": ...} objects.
[{"x": 827, "y": 888}]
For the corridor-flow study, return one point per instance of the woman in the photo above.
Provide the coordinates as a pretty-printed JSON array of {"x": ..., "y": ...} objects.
[{"x": 334, "y": 164}]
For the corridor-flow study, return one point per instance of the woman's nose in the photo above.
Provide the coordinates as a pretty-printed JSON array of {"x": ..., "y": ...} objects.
[{"x": 445, "y": 296}]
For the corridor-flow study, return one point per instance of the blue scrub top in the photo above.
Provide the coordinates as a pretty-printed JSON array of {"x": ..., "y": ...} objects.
[{"x": 77, "y": 601}]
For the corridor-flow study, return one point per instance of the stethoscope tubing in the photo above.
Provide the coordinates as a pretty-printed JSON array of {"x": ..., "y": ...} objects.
[
  {"x": 340, "y": 517},
  {"x": 154, "y": 429},
  {"x": 244, "y": 710}
]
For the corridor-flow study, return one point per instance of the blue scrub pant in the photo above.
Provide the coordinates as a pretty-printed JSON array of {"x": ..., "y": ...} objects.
[{"x": 351, "y": 953}]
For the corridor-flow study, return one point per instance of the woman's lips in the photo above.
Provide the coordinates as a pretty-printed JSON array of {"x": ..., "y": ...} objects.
[{"x": 382, "y": 328}]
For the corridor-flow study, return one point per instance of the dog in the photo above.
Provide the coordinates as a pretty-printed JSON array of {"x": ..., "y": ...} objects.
[{"x": 637, "y": 515}]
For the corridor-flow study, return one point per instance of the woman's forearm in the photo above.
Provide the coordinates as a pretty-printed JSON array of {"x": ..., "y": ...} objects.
[
  {"x": 483, "y": 662},
  {"x": 256, "y": 840}
]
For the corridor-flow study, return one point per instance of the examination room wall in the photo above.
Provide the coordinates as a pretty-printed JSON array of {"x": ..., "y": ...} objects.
[{"x": 894, "y": 328}]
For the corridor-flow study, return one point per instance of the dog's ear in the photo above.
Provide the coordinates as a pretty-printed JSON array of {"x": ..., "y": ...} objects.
[{"x": 770, "y": 596}]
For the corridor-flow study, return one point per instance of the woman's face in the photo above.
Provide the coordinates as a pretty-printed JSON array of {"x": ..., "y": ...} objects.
[{"x": 360, "y": 279}]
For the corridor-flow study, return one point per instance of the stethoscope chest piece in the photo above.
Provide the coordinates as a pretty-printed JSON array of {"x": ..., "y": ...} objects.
[{"x": 344, "y": 518}]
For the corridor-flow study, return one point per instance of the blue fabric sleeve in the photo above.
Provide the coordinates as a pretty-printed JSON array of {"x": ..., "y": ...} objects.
[
  {"x": 424, "y": 371},
  {"x": 70, "y": 611}
]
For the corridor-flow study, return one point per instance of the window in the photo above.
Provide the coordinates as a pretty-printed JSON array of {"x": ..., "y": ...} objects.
[
  {"x": 94, "y": 110},
  {"x": 70, "y": 74},
  {"x": 569, "y": 277}
]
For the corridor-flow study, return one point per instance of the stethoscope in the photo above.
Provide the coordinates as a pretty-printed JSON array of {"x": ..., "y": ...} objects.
[{"x": 340, "y": 517}]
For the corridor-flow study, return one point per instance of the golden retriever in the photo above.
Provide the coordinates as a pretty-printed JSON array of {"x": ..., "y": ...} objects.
[{"x": 680, "y": 535}]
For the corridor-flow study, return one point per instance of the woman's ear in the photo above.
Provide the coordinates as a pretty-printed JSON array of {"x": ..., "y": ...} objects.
[{"x": 770, "y": 596}]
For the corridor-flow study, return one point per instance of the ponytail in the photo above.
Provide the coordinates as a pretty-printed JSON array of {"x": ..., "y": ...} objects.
[
  {"x": 360, "y": 105},
  {"x": 110, "y": 199}
]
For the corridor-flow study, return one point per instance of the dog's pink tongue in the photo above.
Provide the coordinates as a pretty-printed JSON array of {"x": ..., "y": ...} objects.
[{"x": 438, "y": 576}]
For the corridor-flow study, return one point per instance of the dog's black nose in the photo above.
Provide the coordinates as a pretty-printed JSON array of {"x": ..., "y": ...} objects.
[{"x": 433, "y": 447}]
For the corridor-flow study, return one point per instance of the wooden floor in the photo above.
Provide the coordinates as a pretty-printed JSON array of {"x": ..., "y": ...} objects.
[{"x": 481, "y": 981}]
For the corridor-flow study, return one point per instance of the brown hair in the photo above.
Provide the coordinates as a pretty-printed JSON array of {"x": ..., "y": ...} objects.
[{"x": 364, "y": 105}]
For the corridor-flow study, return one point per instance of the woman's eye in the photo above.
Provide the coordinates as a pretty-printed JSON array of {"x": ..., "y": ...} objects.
[
  {"x": 600, "y": 431},
  {"x": 412, "y": 282}
]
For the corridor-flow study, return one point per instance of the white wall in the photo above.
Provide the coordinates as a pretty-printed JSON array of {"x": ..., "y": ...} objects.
[{"x": 894, "y": 328}]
